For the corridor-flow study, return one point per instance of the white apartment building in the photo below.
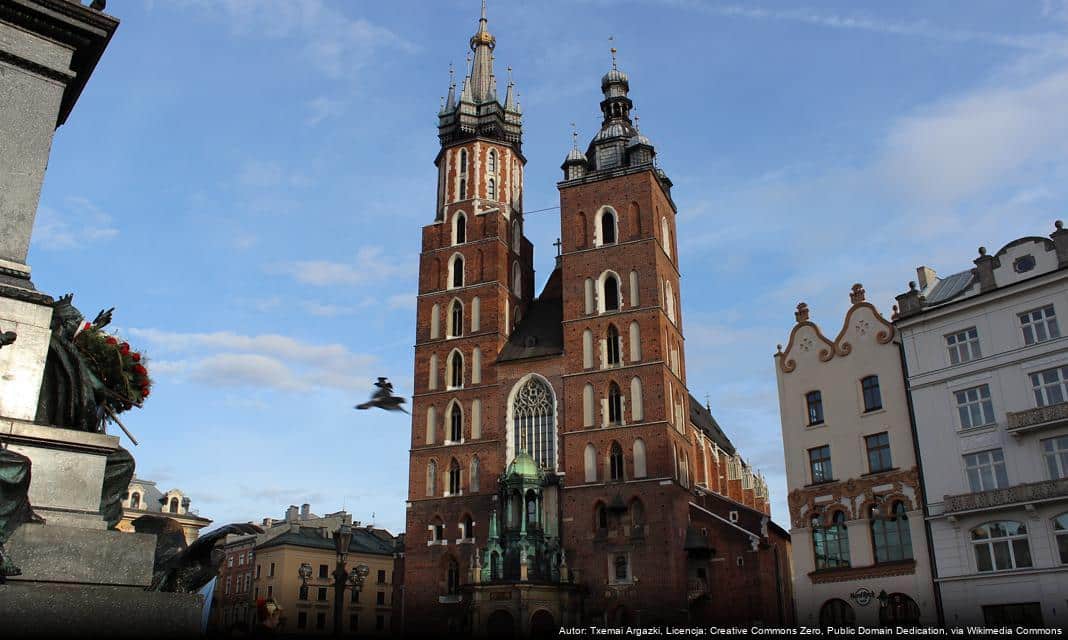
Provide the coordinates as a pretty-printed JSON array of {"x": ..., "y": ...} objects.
[
  {"x": 856, "y": 512},
  {"x": 987, "y": 365}
]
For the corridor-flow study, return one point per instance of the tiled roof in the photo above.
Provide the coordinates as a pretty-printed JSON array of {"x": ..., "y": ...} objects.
[
  {"x": 541, "y": 331},
  {"x": 702, "y": 417}
]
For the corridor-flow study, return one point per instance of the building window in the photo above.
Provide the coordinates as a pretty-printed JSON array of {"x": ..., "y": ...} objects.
[
  {"x": 620, "y": 568},
  {"x": 600, "y": 518},
  {"x": 258, "y": 567},
  {"x": 837, "y": 613},
  {"x": 457, "y": 271},
  {"x": 1060, "y": 530},
  {"x": 355, "y": 597},
  {"x": 611, "y": 293},
  {"x": 303, "y": 593},
  {"x": 302, "y": 619},
  {"x": 467, "y": 531},
  {"x": 1000, "y": 546},
  {"x": 320, "y": 594},
  {"x": 878, "y": 447},
  {"x": 830, "y": 542},
  {"x": 1055, "y": 452},
  {"x": 226, "y": 592},
  {"x": 491, "y": 189},
  {"x": 230, "y": 560},
  {"x": 437, "y": 530},
  {"x": 608, "y": 228},
  {"x": 963, "y": 346},
  {"x": 270, "y": 591},
  {"x": 615, "y": 462},
  {"x": 873, "y": 398},
  {"x": 454, "y": 478},
  {"x": 270, "y": 573},
  {"x": 452, "y": 580},
  {"x": 612, "y": 342},
  {"x": 615, "y": 404},
  {"x": 456, "y": 319},
  {"x": 986, "y": 470},
  {"x": 974, "y": 406},
  {"x": 320, "y": 620},
  {"x": 1024, "y": 614},
  {"x": 456, "y": 370},
  {"x": 1039, "y": 325},
  {"x": 473, "y": 475},
  {"x": 463, "y": 188},
  {"x": 491, "y": 161},
  {"x": 456, "y": 423},
  {"x": 1050, "y": 386},
  {"x": 174, "y": 505},
  {"x": 380, "y": 598},
  {"x": 380, "y": 623},
  {"x": 814, "y": 400},
  {"x": 517, "y": 236},
  {"x": 534, "y": 422},
  {"x": 819, "y": 460},
  {"x": 891, "y": 535},
  {"x": 665, "y": 236},
  {"x": 324, "y": 571},
  {"x": 460, "y": 228},
  {"x": 135, "y": 501},
  {"x": 431, "y": 477}
]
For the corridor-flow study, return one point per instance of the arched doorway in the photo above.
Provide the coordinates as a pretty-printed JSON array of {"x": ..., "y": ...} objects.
[
  {"x": 899, "y": 610},
  {"x": 500, "y": 624},
  {"x": 838, "y": 613},
  {"x": 542, "y": 625}
]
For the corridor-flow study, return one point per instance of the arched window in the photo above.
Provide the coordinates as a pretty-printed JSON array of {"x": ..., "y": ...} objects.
[
  {"x": 636, "y": 410},
  {"x": 463, "y": 161},
  {"x": 463, "y": 188},
  {"x": 615, "y": 404},
  {"x": 665, "y": 237},
  {"x": 534, "y": 422},
  {"x": 495, "y": 566},
  {"x": 459, "y": 228},
  {"x": 456, "y": 319},
  {"x": 491, "y": 161},
  {"x": 589, "y": 460},
  {"x": 837, "y": 613},
  {"x": 635, "y": 342},
  {"x": 633, "y": 288},
  {"x": 467, "y": 527},
  {"x": 454, "y": 478},
  {"x": 432, "y": 372},
  {"x": 431, "y": 421},
  {"x": 587, "y": 405},
  {"x": 610, "y": 293},
  {"x": 830, "y": 542},
  {"x": 174, "y": 505},
  {"x": 456, "y": 423},
  {"x": 135, "y": 500},
  {"x": 532, "y": 508},
  {"x": 435, "y": 322},
  {"x": 606, "y": 227},
  {"x": 452, "y": 577},
  {"x": 474, "y": 474},
  {"x": 456, "y": 370},
  {"x": 639, "y": 458},
  {"x": 517, "y": 237},
  {"x": 491, "y": 189},
  {"x": 587, "y": 349},
  {"x": 431, "y": 477},
  {"x": 890, "y": 535},
  {"x": 476, "y": 419},
  {"x": 456, "y": 271},
  {"x": 1060, "y": 530},
  {"x": 517, "y": 280},
  {"x": 1001, "y": 545},
  {"x": 612, "y": 346},
  {"x": 600, "y": 518},
  {"x": 588, "y": 291},
  {"x": 476, "y": 311},
  {"x": 437, "y": 529},
  {"x": 899, "y": 610},
  {"x": 669, "y": 301},
  {"x": 615, "y": 462},
  {"x": 476, "y": 366}
]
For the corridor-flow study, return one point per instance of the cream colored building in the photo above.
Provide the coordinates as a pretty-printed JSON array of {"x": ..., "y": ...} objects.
[
  {"x": 143, "y": 497},
  {"x": 859, "y": 545},
  {"x": 310, "y": 609}
]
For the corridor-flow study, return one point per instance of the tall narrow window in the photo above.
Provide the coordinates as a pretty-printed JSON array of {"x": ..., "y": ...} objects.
[
  {"x": 476, "y": 311},
  {"x": 814, "y": 400},
  {"x": 452, "y": 579},
  {"x": 963, "y": 346},
  {"x": 517, "y": 237},
  {"x": 463, "y": 161},
  {"x": 635, "y": 342},
  {"x": 517, "y": 280},
  {"x": 474, "y": 474},
  {"x": 431, "y": 477},
  {"x": 669, "y": 301},
  {"x": 615, "y": 404},
  {"x": 467, "y": 528},
  {"x": 1000, "y": 546},
  {"x": 454, "y": 478},
  {"x": 476, "y": 366},
  {"x": 463, "y": 188},
  {"x": 435, "y": 322},
  {"x": 587, "y": 405},
  {"x": 588, "y": 292},
  {"x": 534, "y": 422},
  {"x": 878, "y": 447},
  {"x": 431, "y": 420},
  {"x": 891, "y": 535},
  {"x": 135, "y": 501},
  {"x": 1055, "y": 453},
  {"x": 639, "y": 458},
  {"x": 456, "y": 370},
  {"x": 608, "y": 228},
  {"x": 615, "y": 462},
  {"x": 986, "y": 470},
  {"x": 456, "y": 271},
  {"x": 456, "y": 319},
  {"x": 589, "y": 462},
  {"x": 830, "y": 542},
  {"x": 633, "y": 288},
  {"x": 665, "y": 236},
  {"x": 1060, "y": 530},
  {"x": 491, "y": 162},
  {"x": 873, "y": 398},
  {"x": 974, "y": 406},
  {"x": 476, "y": 419},
  {"x": 611, "y": 293},
  {"x": 491, "y": 189},
  {"x": 460, "y": 228},
  {"x": 432, "y": 372},
  {"x": 456, "y": 424},
  {"x": 819, "y": 460},
  {"x": 1039, "y": 325},
  {"x": 587, "y": 349},
  {"x": 612, "y": 345}
]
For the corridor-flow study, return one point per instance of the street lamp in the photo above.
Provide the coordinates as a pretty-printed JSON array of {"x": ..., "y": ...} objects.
[{"x": 342, "y": 578}]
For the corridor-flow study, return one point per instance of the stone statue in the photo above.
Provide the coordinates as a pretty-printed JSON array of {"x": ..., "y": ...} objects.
[{"x": 14, "y": 503}]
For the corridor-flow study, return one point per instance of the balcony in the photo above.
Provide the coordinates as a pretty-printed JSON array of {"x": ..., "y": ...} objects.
[
  {"x": 1021, "y": 422},
  {"x": 1021, "y": 494}
]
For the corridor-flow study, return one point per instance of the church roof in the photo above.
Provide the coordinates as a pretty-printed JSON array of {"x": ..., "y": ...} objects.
[
  {"x": 541, "y": 331},
  {"x": 702, "y": 417}
]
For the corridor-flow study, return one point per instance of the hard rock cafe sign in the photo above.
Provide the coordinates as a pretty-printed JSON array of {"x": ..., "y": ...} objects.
[{"x": 862, "y": 596}]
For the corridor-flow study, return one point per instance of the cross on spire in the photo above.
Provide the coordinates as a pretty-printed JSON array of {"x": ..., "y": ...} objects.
[
  {"x": 574, "y": 136},
  {"x": 558, "y": 244},
  {"x": 613, "y": 51}
]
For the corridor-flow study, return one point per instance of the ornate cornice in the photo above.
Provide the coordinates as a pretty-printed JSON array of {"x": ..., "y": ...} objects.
[
  {"x": 884, "y": 336},
  {"x": 854, "y": 496},
  {"x": 25, "y": 295}
]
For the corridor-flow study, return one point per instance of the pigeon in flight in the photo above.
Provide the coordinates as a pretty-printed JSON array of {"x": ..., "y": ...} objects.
[{"x": 384, "y": 398}]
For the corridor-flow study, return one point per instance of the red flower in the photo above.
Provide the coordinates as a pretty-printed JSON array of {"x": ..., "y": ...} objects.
[
  {"x": 140, "y": 370},
  {"x": 136, "y": 357},
  {"x": 144, "y": 392},
  {"x": 124, "y": 348},
  {"x": 87, "y": 326},
  {"x": 111, "y": 340}
]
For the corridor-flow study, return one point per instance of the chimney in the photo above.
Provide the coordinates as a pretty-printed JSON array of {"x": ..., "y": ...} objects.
[
  {"x": 305, "y": 510},
  {"x": 268, "y": 523},
  {"x": 909, "y": 303},
  {"x": 1060, "y": 242},
  {"x": 984, "y": 271},
  {"x": 291, "y": 513},
  {"x": 926, "y": 277}
]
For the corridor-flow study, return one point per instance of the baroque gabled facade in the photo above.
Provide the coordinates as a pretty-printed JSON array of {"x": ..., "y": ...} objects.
[{"x": 560, "y": 471}]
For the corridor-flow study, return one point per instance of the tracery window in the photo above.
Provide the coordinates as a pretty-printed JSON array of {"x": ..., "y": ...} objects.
[
  {"x": 456, "y": 424},
  {"x": 615, "y": 462},
  {"x": 612, "y": 345},
  {"x": 456, "y": 319},
  {"x": 534, "y": 422},
  {"x": 615, "y": 404}
]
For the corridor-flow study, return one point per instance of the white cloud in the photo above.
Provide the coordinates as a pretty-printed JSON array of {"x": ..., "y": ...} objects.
[
  {"x": 80, "y": 223},
  {"x": 259, "y": 174},
  {"x": 321, "y": 108},
  {"x": 404, "y": 301},
  {"x": 370, "y": 266}
]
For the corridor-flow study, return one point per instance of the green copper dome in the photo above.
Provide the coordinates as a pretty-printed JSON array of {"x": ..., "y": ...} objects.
[{"x": 523, "y": 465}]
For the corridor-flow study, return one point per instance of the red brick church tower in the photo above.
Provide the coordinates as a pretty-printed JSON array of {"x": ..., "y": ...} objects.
[{"x": 560, "y": 470}]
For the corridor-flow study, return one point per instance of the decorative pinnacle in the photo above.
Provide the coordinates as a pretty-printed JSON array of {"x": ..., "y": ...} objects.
[
  {"x": 636, "y": 118},
  {"x": 801, "y": 315},
  {"x": 483, "y": 11},
  {"x": 574, "y": 136},
  {"x": 510, "y": 82},
  {"x": 857, "y": 294},
  {"x": 452, "y": 75}
]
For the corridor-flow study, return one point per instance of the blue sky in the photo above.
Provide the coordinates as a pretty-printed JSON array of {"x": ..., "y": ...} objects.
[{"x": 245, "y": 181}]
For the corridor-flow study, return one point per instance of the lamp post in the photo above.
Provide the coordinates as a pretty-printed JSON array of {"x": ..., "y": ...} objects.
[{"x": 342, "y": 578}]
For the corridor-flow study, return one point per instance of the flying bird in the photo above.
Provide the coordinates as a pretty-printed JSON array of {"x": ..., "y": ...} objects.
[
  {"x": 384, "y": 398},
  {"x": 181, "y": 567}
]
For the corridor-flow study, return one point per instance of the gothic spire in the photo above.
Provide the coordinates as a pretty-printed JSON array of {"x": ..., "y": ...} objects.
[
  {"x": 482, "y": 43},
  {"x": 509, "y": 96},
  {"x": 450, "y": 103}
]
